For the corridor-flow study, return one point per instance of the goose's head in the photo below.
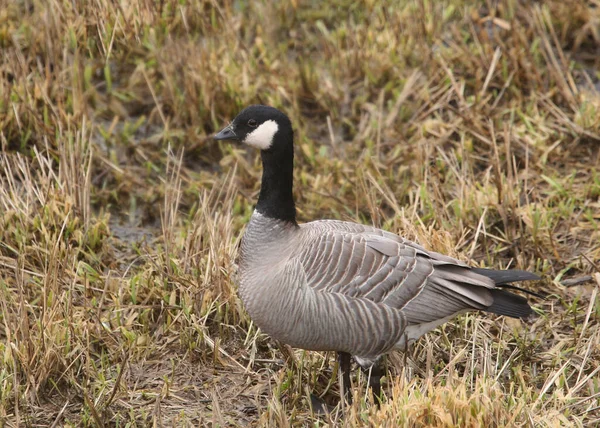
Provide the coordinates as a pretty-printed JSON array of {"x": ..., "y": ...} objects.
[{"x": 263, "y": 127}]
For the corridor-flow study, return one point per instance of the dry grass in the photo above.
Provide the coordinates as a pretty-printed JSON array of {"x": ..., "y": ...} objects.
[{"x": 474, "y": 129}]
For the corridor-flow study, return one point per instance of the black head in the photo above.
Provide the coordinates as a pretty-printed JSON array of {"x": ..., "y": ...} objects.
[
  {"x": 259, "y": 126},
  {"x": 269, "y": 130}
]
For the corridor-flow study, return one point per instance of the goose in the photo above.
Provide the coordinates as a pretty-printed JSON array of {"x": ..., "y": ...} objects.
[{"x": 331, "y": 285}]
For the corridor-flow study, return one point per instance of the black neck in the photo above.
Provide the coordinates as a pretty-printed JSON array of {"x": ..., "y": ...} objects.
[{"x": 276, "y": 199}]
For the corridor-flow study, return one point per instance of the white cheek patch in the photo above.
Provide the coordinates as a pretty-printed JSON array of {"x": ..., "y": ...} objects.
[{"x": 262, "y": 137}]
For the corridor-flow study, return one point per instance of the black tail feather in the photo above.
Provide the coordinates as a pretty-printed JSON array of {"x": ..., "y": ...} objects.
[
  {"x": 506, "y": 303},
  {"x": 509, "y": 304}
]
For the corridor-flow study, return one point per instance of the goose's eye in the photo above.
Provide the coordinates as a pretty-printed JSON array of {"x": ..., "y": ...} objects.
[{"x": 252, "y": 123}]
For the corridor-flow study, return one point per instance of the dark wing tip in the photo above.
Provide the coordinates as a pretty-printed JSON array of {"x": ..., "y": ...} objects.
[{"x": 507, "y": 276}]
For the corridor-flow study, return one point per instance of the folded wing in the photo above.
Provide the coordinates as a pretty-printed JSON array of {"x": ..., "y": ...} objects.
[{"x": 361, "y": 261}]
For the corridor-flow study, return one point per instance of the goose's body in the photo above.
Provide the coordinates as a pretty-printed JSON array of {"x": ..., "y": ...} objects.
[{"x": 340, "y": 286}]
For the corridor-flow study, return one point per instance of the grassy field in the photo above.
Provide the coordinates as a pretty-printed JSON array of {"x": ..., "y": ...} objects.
[{"x": 470, "y": 127}]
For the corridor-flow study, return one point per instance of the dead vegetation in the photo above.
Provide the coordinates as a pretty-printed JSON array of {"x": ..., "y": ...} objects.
[{"x": 473, "y": 129}]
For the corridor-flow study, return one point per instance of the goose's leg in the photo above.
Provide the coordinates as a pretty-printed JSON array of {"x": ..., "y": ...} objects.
[
  {"x": 344, "y": 360},
  {"x": 375, "y": 374}
]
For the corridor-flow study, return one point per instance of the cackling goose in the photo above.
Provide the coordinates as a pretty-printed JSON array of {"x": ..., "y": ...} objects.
[{"x": 332, "y": 285}]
